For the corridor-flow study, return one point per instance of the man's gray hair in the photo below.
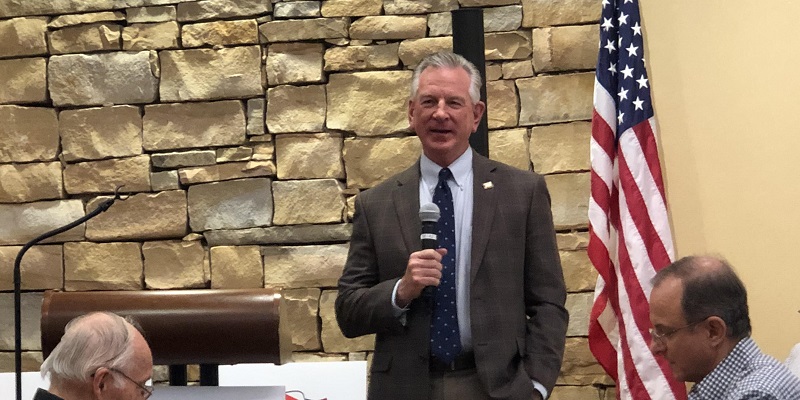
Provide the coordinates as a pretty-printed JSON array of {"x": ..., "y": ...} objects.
[
  {"x": 446, "y": 59},
  {"x": 91, "y": 341}
]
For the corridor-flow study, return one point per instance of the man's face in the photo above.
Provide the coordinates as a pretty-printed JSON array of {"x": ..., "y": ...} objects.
[
  {"x": 689, "y": 355},
  {"x": 443, "y": 114}
]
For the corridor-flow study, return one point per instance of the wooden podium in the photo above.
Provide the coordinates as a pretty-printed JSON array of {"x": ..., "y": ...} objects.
[{"x": 206, "y": 327}]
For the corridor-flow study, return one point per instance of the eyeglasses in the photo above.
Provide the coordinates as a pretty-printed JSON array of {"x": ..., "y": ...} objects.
[
  {"x": 147, "y": 391},
  {"x": 663, "y": 336}
]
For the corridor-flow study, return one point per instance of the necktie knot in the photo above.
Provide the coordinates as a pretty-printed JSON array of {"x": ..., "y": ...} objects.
[{"x": 445, "y": 175}]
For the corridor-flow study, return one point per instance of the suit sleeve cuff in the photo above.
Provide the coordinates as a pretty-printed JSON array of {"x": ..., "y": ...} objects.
[
  {"x": 399, "y": 313},
  {"x": 539, "y": 388}
]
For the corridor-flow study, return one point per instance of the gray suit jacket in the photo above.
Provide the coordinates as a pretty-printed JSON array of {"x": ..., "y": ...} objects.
[{"x": 517, "y": 286}]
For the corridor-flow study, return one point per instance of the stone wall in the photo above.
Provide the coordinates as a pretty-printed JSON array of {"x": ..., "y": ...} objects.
[{"x": 242, "y": 130}]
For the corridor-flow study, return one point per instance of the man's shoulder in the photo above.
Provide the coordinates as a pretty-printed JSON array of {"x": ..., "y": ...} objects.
[
  {"x": 384, "y": 188},
  {"x": 769, "y": 377},
  {"x": 510, "y": 172},
  {"x": 42, "y": 394}
]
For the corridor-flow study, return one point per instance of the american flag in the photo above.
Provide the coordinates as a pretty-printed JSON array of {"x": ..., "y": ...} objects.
[{"x": 630, "y": 238}]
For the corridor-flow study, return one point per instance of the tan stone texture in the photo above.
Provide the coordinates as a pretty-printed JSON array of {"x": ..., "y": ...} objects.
[
  {"x": 369, "y": 103},
  {"x": 503, "y": 108},
  {"x": 226, "y": 171},
  {"x": 41, "y": 267},
  {"x": 304, "y": 266},
  {"x": 302, "y": 308},
  {"x": 517, "y": 69},
  {"x": 95, "y": 79},
  {"x": 561, "y": 147},
  {"x": 31, "y": 360},
  {"x": 296, "y": 9},
  {"x": 317, "y": 357},
  {"x": 174, "y": 264},
  {"x": 23, "y": 80},
  {"x": 104, "y": 176},
  {"x": 537, "y": 13},
  {"x": 305, "y": 29},
  {"x": 255, "y": 116},
  {"x": 580, "y": 367},
  {"x": 220, "y": 33},
  {"x": 576, "y": 393},
  {"x": 187, "y": 125},
  {"x": 86, "y": 38},
  {"x": 204, "y": 74},
  {"x": 236, "y": 267},
  {"x": 389, "y": 27},
  {"x": 13, "y": 8},
  {"x": 296, "y": 108},
  {"x": 579, "y": 306},
  {"x": 493, "y": 72},
  {"x": 23, "y": 36},
  {"x": 243, "y": 203},
  {"x": 309, "y": 156},
  {"x": 30, "y": 182},
  {"x": 557, "y": 98},
  {"x": 565, "y": 48},
  {"x": 369, "y": 162},
  {"x": 241, "y": 153},
  {"x": 141, "y": 216},
  {"x": 20, "y": 223},
  {"x": 333, "y": 341},
  {"x": 351, "y": 8},
  {"x": 28, "y": 134},
  {"x": 510, "y": 146},
  {"x": 102, "y": 266},
  {"x": 502, "y": 19},
  {"x": 190, "y": 158},
  {"x": 507, "y": 45},
  {"x": 293, "y": 234},
  {"x": 486, "y": 3},
  {"x": 140, "y": 15},
  {"x": 569, "y": 194},
  {"x": 164, "y": 180},
  {"x": 418, "y": 7},
  {"x": 294, "y": 63},
  {"x": 313, "y": 201},
  {"x": 350, "y": 58},
  {"x": 62, "y": 21},
  {"x": 351, "y": 207},
  {"x": 579, "y": 273},
  {"x": 152, "y": 36},
  {"x": 264, "y": 152},
  {"x": 31, "y": 336},
  {"x": 96, "y": 133},
  {"x": 440, "y": 24},
  {"x": 219, "y": 9},
  {"x": 572, "y": 241},
  {"x": 412, "y": 51}
]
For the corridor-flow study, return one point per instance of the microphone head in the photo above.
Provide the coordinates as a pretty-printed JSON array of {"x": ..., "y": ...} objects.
[{"x": 429, "y": 213}]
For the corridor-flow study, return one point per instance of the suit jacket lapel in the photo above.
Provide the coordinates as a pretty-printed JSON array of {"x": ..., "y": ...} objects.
[
  {"x": 483, "y": 207},
  {"x": 406, "y": 202}
]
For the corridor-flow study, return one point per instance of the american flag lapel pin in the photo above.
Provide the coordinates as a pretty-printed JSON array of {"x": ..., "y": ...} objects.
[{"x": 488, "y": 185}]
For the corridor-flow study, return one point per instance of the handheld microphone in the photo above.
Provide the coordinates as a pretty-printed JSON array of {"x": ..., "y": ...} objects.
[{"x": 429, "y": 216}]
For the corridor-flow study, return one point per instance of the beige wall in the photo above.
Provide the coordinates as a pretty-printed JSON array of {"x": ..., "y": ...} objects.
[{"x": 724, "y": 83}]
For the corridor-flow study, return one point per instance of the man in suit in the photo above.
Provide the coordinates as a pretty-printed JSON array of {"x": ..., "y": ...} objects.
[
  {"x": 100, "y": 356},
  {"x": 701, "y": 325},
  {"x": 503, "y": 336}
]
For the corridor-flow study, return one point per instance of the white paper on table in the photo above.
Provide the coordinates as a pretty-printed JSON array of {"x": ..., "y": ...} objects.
[
  {"x": 334, "y": 380},
  {"x": 216, "y": 393}
]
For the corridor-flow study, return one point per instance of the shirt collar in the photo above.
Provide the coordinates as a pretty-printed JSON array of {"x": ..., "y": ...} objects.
[
  {"x": 460, "y": 168},
  {"x": 714, "y": 385}
]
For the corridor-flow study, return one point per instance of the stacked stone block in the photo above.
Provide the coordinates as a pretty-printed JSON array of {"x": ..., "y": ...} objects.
[{"x": 242, "y": 130}]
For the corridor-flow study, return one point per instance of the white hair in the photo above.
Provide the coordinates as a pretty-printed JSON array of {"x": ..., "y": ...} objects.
[
  {"x": 91, "y": 341},
  {"x": 446, "y": 59}
]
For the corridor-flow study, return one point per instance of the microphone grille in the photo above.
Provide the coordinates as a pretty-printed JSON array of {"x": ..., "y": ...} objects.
[{"x": 429, "y": 213}]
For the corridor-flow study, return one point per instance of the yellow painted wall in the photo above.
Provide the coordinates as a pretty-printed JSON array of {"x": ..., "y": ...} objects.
[{"x": 725, "y": 77}]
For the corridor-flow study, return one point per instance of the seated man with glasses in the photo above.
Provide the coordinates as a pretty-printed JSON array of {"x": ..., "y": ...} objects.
[
  {"x": 701, "y": 326},
  {"x": 100, "y": 356}
]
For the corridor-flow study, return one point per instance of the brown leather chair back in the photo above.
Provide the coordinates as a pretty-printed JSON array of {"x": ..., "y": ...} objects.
[{"x": 186, "y": 326}]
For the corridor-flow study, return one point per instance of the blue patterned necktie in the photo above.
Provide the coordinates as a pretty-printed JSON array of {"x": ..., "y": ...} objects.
[{"x": 445, "y": 337}]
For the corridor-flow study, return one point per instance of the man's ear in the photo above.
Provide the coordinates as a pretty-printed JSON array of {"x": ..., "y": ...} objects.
[
  {"x": 717, "y": 330},
  {"x": 100, "y": 380},
  {"x": 477, "y": 113}
]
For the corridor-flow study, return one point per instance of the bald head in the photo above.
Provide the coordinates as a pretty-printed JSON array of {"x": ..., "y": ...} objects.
[
  {"x": 710, "y": 288},
  {"x": 93, "y": 341}
]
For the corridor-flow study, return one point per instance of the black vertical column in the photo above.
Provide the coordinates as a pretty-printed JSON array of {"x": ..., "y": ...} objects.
[{"x": 468, "y": 42}]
